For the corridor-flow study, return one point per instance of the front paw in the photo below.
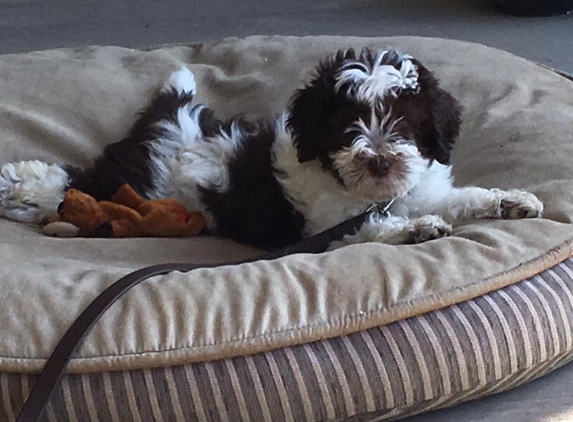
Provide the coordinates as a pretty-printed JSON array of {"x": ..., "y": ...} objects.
[
  {"x": 516, "y": 204},
  {"x": 426, "y": 228}
]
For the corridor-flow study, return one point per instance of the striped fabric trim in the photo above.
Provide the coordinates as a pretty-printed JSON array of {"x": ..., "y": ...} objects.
[{"x": 484, "y": 346}]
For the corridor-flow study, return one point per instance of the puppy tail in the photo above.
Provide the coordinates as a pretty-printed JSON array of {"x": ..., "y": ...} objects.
[
  {"x": 175, "y": 95},
  {"x": 181, "y": 82}
]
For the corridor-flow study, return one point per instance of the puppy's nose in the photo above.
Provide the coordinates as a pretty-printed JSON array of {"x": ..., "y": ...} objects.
[{"x": 378, "y": 166}]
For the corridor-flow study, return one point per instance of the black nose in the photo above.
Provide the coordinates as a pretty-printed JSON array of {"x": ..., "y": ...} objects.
[{"x": 378, "y": 166}]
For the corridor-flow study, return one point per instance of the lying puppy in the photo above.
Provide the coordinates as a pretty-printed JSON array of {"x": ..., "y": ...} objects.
[{"x": 369, "y": 128}]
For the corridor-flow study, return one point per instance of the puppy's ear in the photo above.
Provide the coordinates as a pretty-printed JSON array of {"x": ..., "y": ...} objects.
[
  {"x": 446, "y": 120},
  {"x": 307, "y": 113},
  {"x": 440, "y": 125},
  {"x": 311, "y": 109}
]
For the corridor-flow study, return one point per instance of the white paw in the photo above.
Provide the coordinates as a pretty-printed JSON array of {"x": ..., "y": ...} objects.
[
  {"x": 183, "y": 81},
  {"x": 30, "y": 191},
  {"x": 397, "y": 231},
  {"x": 426, "y": 228},
  {"x": 516, "y": 204}
]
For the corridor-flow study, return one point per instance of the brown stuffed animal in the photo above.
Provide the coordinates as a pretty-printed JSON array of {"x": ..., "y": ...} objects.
[{"x": 126, "y": 215}]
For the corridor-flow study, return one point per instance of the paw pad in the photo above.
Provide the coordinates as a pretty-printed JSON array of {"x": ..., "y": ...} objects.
[
  {"x": 519, "y": 204},
  {"x": 427, "y": 228}
]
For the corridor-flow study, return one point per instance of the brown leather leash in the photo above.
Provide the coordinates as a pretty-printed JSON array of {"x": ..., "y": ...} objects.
[{"x": 56, "y": 364}]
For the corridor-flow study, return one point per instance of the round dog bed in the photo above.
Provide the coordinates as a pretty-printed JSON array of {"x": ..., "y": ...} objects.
[{"x": 369, "y": 332}]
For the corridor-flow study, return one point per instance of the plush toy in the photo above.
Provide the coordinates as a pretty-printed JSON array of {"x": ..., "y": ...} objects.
[{"x": 126, "y": 215}]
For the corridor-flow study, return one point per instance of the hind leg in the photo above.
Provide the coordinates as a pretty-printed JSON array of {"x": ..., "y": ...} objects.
[
  {"x": 142, "y": 159},
  {"x": 30, "y": 191}
]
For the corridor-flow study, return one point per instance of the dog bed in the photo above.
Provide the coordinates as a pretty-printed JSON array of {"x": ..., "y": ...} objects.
[{"x": 369, "y": 332}]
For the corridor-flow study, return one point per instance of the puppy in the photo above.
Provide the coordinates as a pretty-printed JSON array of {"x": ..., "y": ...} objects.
[{"x": 368, "y": 128}]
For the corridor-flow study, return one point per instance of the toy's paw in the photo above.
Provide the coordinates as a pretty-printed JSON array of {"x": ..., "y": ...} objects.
[
  {"x": 60, "y": 229},
  {"x": 104, "y": 230},
  {"x": 516, "y": 204},
  {"x": 426, "y": 228}
]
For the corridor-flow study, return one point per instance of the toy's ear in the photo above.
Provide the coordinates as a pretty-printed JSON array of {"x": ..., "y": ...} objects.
[{"x": 76, "y": 195}]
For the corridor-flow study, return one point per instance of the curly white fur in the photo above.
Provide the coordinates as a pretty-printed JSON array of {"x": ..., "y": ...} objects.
[
  {"x": 30, "y": 191},
  {"x": 370, "y": 82}
]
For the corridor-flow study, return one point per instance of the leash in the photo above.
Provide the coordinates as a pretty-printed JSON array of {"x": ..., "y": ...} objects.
[{"x": 56, "y": 364}]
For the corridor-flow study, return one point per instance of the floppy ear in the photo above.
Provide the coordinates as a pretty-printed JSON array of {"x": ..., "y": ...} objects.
[
  {"x": 446, "y": 120},
  {"x": 307, "y": 115},
  {"x": 440, "y": 125},
  {"x": 312, "y": 108}
]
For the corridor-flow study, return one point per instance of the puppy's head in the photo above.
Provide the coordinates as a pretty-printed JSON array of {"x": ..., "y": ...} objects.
[{"x": 375, "y": 120}]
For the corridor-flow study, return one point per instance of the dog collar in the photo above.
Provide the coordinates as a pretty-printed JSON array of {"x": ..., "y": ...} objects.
[{"x": 381, "y": 208}]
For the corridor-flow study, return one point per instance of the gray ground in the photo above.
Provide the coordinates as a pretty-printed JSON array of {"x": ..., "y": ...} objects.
[
  {"x": 39, "y": 24},
  {"x": 27, "y": 25}
]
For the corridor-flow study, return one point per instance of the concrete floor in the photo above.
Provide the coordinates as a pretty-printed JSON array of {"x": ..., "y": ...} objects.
[
  {"x": 548, "y": 399},
  {"x": 40, "y": 24},
  {"x": 27, "y": 25}
]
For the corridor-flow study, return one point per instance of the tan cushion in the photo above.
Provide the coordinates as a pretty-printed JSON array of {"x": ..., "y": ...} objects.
[
  {"x": 463, "y": 352},
  {"x": 65, "y": 105}
]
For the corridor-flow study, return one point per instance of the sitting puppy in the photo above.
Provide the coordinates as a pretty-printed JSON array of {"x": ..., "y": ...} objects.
[{"x": 369, "y": 128}]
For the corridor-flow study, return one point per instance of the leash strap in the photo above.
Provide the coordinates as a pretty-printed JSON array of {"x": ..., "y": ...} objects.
[{"x": 56, "y": 364}]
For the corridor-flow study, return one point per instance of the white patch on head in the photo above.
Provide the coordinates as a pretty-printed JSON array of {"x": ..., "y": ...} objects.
[
  {"x": 379, "y": 138},
  {"x": 368, "y": 83},
  {"x": 185, "y": 160},
  {"x": 344, "y": 159},
  {"x": 394, "y": 184},
  {"x": 30, "y": 191},
  {"x": 183, "y": 81},
  {"x": 376, "y": 132}
]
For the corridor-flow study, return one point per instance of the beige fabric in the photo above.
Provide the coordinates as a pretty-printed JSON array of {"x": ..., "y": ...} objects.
[
  {"x": 65, "y": 105},
  {"x": 435, "y": 360}
]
